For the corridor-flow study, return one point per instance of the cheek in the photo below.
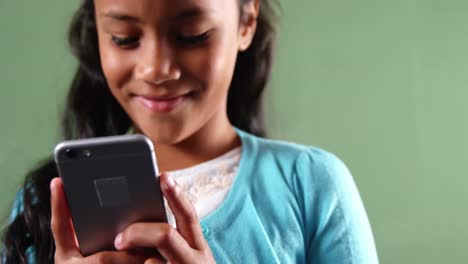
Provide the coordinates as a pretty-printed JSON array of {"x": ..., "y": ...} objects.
[
  {"x": 214, "y": 67},
  {"x": 221, "y": 70},
  {"x": 116, "y": 66}
]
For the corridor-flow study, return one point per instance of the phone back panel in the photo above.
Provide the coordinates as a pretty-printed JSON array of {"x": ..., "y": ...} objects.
[{"x": 109, "y": 183}]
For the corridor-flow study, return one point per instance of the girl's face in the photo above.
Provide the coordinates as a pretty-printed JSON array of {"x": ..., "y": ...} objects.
[{"x": 169, "y": 63}]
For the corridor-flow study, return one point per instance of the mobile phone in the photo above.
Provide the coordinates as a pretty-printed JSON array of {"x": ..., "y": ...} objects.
[{"x": 109, "y": 183}]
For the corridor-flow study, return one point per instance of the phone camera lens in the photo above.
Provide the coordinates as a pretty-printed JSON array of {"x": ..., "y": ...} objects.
[
  {"x": 87, "y": 152},
  {"x": 70, "y": 153}
]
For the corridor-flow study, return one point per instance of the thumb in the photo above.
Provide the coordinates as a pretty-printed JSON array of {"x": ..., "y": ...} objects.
[{"x": 62, "y": 227}]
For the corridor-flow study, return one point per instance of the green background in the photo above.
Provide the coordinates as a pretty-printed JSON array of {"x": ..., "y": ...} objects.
[{"x": 383, "y": 84}]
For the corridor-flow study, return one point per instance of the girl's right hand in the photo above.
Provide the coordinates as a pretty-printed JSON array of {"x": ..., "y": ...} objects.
[{"x": 66, "y": 245}]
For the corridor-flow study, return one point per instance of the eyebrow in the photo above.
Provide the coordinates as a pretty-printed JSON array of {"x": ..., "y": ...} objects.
[
  {"x": 121, "y": 17},
  {"x": 184, "y": 15},
  {"x": 190, "y": 13}
]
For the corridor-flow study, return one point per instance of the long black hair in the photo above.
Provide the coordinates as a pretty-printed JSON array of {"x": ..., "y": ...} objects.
[{"x": 92, "y": 111}]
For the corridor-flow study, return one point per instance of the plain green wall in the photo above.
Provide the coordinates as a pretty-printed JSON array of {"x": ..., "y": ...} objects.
[{"x": 383, "y": 84}]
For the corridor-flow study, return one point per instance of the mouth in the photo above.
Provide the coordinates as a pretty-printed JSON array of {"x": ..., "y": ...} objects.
[{"x": 163, "y": 104}]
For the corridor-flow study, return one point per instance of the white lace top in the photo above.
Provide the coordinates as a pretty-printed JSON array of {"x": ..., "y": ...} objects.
[{"x": 207, "y": 184}]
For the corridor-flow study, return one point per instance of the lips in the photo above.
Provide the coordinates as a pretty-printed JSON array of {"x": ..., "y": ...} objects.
[{"x": 162, "y": 104}]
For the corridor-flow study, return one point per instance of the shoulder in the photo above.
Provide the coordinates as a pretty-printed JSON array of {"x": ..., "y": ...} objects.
[
  {"x": 310, "y": 173},
  {"x": 317, "y": 186},
  {"x": 303, "y": 159}
]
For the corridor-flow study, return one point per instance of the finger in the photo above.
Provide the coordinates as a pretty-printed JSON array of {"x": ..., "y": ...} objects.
[
  {"x": 162, "y": 236},
  {"x": 61, "y": 225},
  {"x": 185, "y": 215},
  {"x": 153, "y": 261},
  {"x": 115, "y": 257}
]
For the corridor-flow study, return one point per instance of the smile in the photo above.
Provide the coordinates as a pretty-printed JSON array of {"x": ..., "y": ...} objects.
[{"x": 161, "y": 104}]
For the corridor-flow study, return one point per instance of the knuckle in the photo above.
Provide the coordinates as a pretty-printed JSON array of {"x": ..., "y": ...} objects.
[
  {"x": 191, "y": 215},
  {"x": 54, "y": 225},
  {"x": 102, "y": 258},
  {"x": 205, "y": 248},
  {"x": 177, "y": 192},
  {"x": 205, "y": 253},
  {"x": 169, "y": 234},
  {"x": 57, "y": 257}
]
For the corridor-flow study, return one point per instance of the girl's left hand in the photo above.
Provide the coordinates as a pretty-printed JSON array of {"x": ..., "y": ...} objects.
[{"x": 186, "y": 244}]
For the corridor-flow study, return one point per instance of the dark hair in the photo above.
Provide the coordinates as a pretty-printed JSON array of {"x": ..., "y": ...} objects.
[{"x": 92, "y": 111}]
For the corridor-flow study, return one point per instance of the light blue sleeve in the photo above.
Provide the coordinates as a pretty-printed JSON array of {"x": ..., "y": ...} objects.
[{"x": 336, "y": 225}]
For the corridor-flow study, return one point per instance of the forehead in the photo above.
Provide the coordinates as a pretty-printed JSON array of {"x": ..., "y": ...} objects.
[{"x": 160, "y": 9}]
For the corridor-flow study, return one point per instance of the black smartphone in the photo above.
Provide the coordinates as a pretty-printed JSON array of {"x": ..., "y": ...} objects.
[{"x": 109, "y": 183}]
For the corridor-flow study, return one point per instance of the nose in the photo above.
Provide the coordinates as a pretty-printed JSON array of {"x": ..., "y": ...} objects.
[{"x": 157, "y": 65}]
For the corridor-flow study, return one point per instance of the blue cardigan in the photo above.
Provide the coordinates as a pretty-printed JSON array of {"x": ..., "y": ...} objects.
[{"x": 289, "y": 204}]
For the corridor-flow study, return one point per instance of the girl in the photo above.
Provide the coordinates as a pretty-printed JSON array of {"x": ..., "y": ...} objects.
[{"x": 190, "y": 74}]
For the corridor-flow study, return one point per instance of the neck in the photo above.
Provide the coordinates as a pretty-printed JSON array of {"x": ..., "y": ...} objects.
[{"x": 209, "y": 142}]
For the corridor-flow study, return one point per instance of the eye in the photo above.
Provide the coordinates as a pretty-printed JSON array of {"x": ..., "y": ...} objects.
[
  {"x": 126, "y": 42},
  {"x": 194, "y": 39}
]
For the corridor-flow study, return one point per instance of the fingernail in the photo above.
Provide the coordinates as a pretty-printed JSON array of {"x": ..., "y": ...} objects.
[
  {"x": 118, "y": 241},
  {"x": 51, "y": 186},
  {"x": 170, "y": 182}
]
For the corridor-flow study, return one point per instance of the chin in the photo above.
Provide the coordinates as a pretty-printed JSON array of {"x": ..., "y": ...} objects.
[{"x": 167, "y": 135}]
